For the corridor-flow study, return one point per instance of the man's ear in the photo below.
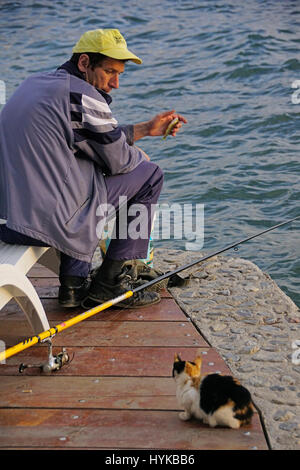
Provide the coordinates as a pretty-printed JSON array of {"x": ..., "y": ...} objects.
[{"x": 83, "y": 62}]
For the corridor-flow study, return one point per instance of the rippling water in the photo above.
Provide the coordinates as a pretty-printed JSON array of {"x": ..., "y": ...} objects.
[{"x": 228, "y": 67}]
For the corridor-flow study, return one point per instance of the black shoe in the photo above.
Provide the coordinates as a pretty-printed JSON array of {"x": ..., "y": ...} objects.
[
  {"x": 72, "y": 290},
  {"x": 101, "y": 291}
]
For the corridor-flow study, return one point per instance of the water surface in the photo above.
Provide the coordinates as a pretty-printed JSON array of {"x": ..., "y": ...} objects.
[{"x": 228, "y": 66}]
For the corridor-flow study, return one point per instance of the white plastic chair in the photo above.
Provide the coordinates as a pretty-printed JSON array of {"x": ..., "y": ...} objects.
[{"x": 15, "y": 262}]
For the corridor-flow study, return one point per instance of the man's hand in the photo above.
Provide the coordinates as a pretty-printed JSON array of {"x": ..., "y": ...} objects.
[{"x": 158, "y": 125}]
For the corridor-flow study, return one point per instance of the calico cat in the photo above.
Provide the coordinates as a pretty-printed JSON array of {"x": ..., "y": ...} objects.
[{"x": 215, "y": 399}]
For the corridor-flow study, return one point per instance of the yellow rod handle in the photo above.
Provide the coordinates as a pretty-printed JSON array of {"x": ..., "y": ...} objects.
[{"x": 27, "y": 343}]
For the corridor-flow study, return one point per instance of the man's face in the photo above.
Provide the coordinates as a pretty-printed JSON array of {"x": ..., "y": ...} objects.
[{"x": 106, "y": 76}]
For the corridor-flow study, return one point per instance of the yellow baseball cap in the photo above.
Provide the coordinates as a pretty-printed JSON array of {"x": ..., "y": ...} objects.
[{"x": 109, "y": 42}]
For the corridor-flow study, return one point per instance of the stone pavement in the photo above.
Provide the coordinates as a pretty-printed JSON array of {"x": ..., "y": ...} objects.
[{"x": 244, "y": 315}]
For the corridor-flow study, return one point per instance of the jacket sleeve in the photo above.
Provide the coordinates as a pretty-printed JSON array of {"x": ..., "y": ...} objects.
[
  {"x": 98, "y": 136},
  {"x": 128, "y": 131}
]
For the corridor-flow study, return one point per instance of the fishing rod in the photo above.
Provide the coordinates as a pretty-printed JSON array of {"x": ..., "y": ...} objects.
[
  {"x": 56, "y": 362},
  {"x": 205, "y": 258}
]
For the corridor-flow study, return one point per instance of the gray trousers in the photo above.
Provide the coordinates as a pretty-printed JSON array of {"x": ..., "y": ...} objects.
[{"x": 142, "y": 186}]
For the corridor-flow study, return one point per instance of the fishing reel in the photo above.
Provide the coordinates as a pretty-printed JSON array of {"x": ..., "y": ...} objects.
[{"x": 53, "y": 363}]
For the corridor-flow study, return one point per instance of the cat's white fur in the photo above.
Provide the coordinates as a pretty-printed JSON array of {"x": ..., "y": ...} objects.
[{"x": 188, "y": 397}]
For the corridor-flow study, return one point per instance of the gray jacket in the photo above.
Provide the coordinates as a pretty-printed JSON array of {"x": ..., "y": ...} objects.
[{"x": 58, "y": 140}]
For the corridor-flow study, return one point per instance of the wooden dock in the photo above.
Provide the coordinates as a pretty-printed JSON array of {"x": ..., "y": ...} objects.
[{"x": 117, "y": 392}]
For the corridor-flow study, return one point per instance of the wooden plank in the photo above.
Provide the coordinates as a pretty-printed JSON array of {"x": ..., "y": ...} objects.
[
  {"x": 117, "y": 392},
  {"x": 47, "y": 287},
  {"x": 39, "y": 270},
  {"x": 133, "y": 334},
  {"x": 154, "y": 393},
  {"x": 39, "y": 274},
  {"x": 111, "y": 334},
  {"x": 51, "y": 291},
  {"x": 166, "y": 310},
  {"x": 117, "y": 361},
  {"x": 47, "y": 292},
  {"x": 119, "y": 429},
  {"x": 44, "y": 281},
  {"x": 135, "y": 393}
]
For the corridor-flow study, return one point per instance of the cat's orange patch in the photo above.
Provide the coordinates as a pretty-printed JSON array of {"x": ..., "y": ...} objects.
[
  {"x": 194, "y": 370},
  {"x": 196, "y": 382}
]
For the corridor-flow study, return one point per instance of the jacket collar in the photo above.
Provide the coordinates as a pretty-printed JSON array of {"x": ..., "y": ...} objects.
[{"x": 72, "y": 69}]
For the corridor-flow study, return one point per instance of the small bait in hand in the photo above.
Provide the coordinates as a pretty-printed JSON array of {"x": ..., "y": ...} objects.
[{"x": 170, "y": 127}]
